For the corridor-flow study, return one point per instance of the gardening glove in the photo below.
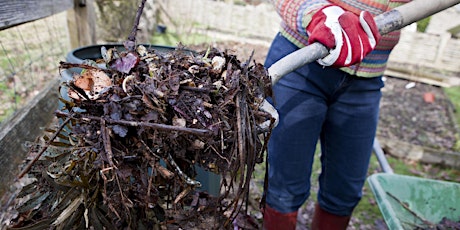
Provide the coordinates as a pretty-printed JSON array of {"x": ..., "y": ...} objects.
[
  {"x": 266, "y": 125},
  {"x": 349, "y": 37}
]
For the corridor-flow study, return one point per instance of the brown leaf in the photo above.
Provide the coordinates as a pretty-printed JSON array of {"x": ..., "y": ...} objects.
[
  {"x": 92, "y": 82},
  {"x": 126, "y": 63}
]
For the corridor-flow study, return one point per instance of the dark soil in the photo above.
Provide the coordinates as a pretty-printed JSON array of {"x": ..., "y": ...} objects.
[{"x": 408, "y": 115}]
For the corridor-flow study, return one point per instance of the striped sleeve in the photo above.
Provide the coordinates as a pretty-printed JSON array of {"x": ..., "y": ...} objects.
[{"x": 297, "y": 14}]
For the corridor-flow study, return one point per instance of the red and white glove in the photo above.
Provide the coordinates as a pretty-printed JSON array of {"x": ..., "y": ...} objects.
[{"x": 349, "y": 37}]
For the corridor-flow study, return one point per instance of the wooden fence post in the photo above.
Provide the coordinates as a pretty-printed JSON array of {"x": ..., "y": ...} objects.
[
  {"x": 444, "y": 39},
  {"x": 27, "y": 123},
  {"x": 81, "y": 21},
  {"x": 25, "y": 126},
  {"x": 13, "y": 13}
]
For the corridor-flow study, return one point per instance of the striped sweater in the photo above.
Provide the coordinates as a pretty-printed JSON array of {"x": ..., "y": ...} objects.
[{"x": 297, "y": 14}]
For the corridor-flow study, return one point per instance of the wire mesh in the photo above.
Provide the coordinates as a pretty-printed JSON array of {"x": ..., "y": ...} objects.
[{"x": 29, "y": 58}]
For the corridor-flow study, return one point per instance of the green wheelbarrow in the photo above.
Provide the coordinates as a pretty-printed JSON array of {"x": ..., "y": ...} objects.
[{"x": 408, "y": 202}]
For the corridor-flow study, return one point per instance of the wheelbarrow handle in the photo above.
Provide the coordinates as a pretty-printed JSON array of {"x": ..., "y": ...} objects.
[
  {"x": 384, "y": 165},
  {"x": 389, "y": 21}
]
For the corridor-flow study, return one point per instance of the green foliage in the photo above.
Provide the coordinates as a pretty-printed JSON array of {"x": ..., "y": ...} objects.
[
  {"x": 239, "y": 3},
  {"x": 429, "y": 171},
  {"x": 423, "y": 24},
  {"x": 8, "y": 96},
  {"x": 3, "y": 86},
  {"x": 457, "y": 143},
  {"x": 167, "y": 39},
  {"x": 6, "y": 114},
  {"x": 453, "y": 93}
]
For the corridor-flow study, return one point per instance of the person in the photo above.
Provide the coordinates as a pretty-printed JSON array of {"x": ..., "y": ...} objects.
[{"x": 334, "y": 101}]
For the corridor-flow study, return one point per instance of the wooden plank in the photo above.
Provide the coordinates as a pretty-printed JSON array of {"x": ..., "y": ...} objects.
[
  {"x": 408, "y": 151},
  {"x": 81, "y": 21},
  {"x": 423, "y": 74},
  {"x": 455, "y": 31},
  {"x": 25, "y": 125},
  {"x": 16, "y": 12},
  {"x": 428, "y": 50}
]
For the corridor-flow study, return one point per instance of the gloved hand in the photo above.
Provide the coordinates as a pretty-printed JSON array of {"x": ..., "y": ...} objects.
[{"x": 349, "y": 37}]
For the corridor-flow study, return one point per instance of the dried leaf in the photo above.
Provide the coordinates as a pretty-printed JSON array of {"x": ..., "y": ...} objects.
[
  {"x": 126, "y": 63},
  {"x": 197, "y": 144},
  {"x": 164, "y": 172},
  {"x": 69, "y": 210},
  {"x": 84, "y": 82},
  {"x": 120, "y": 130},
  {"x": 174, "y": 83},
  {"x": 39, "y": 225},
  {"x": 180, "y": 122},
  {"x": 92, "y": 82},
  {"x": 182, "y": 194},
  {"x": 33, "y": 202},
  {"x": 27, "y": 189},
  {"x": 218, "y": 63}
]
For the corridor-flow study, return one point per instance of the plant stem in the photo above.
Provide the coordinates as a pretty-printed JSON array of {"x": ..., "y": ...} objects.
[
  {"x": 27, "y": 168},
  {"x": 132, "y": 36},
  {"x": 201, "y": 132}
]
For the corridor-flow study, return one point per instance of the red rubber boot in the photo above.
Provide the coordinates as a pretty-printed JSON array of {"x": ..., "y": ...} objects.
[
  {"x": 274, "y": 220},
  {"x": 323, "y": 220}
]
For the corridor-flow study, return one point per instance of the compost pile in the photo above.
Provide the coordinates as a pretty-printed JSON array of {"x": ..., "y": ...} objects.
[{"x": 138, "y": 124}]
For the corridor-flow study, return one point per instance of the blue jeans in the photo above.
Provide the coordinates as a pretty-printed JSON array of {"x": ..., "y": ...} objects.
[{"x": 326, "y": 104}]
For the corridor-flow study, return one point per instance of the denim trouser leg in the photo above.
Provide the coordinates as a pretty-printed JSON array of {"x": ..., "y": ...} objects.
[{"x": 327, "y": 104}]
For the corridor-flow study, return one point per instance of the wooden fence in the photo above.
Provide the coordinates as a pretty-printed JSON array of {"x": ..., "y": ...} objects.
[
  {"x": 430, "y": 57},
  {"x": 217, "y": 18},
  {"x": 28, "y": 122},
  {"x": 430, "y": 50}
]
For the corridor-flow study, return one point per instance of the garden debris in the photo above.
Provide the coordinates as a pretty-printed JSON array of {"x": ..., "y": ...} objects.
[
  {"x": 428, "y": 97},
  {"x": 125, "y": 153},
  {"x": 443, "y": 224},
  {"x": 407, "y": 121}
]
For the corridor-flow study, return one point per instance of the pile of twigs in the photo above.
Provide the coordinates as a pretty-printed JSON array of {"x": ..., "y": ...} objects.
[{"x": 138, "y": 123}]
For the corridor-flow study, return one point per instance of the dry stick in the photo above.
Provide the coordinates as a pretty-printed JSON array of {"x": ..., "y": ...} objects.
[
  {"x": 241, "y": 152},
  {"x": 68, "y": 65},
  {"x": 250, "y": 157},
  {"x": 410, "y": 210},
  {"x": 123, "y": 197},
  {"x": 183, "y": 176},
  {"x": 107, "y": 143},
  {"x": 230, "y": 186},
  {"x": 264, "y": 193},
  {"x": 131, "y": 43},
  {"x": 105, "y": 197},
  {"x": 200, "y": 132},
  {"x": 48, "y": 143},
  {"x": 218, "y": 154}
]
